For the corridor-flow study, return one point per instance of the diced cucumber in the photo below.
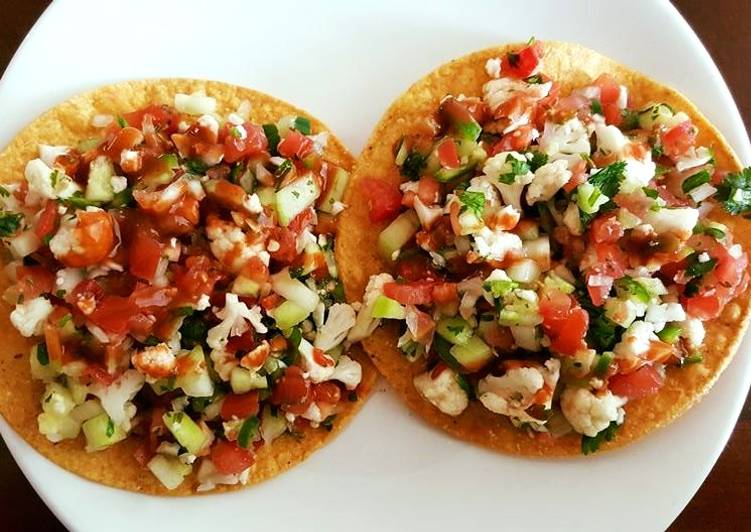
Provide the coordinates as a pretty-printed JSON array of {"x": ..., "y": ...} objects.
[
  {"x": 197, "y": 382},
  {"x": 335, "y": 191},
  {"x": 242, "y": 380},
  {"x": 659, "y": 114},
  {"x": 295, "y": 198},
  {"x": 554, "y": 282},
  {"x": 447, "y": 174},
  {"x": 57, "y": 400},
  {"x": 670, "y": 333},
  {"x": 518, "y": 311},
  {"x": 294, "y": 290},
  {"x": 313, "y": 258},
  {"x": 86, "y": 410},
  {"x": 590, "y": 198},
  {"x": 169, "y": 470},
  {"x": 77, "y": 390},
  {"x": 57, "y": 428},
  {"x": 272, "y": 426},
  {"x": 288, "y": 314},
  {"x": 99, "y": 184},
  {"x": 499, "y": 287},
  {"x": 455, "y": 330},
  {"x": 185, "y": 430},
  {"x": 473, "y": 354},
  {"x": 88, "y": 144},
  {"x": 242, "y": 286},
  {"x": 163, "y": 172},
  {"x": 397, "y": 234},
  {"x": 101, "y": 432},
  {"x": 402, "y": 151},
  {"x": 385, "y": 307},
  {"x": 267, "y": 196},
  {"x": 39, "y": 371}
]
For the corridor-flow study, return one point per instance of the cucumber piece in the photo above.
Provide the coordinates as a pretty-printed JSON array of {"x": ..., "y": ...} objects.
[
  {"x": 455, "y": 330},
  {"x": 57, "y": 400},
  {"x": 335, "y": 191},
  {"x": 57, "y": 428},
  {"x": 267, "y": 196},
  {"x": 385, "y": 307},
  {"x": 519, "y": 312},
  {"x": 659, "y": 114},
  {"x": 242, "y": 380},
  {"x": 288, "y": 314},
  {"x": 499, "y": 287},
  {"x": 39, "y": 371},
  {"x": 197, "y": 382},
  {"x": 242, "y": 286},
  {"x": 402, "y": 151},
  {"x": 473, "y": 354},
  {"x": 313, "y": 258},
  {"x": 447, "y": 174},
  {"x": 162, "y": 172},
  {"x": 670, "y": 333},
  {"x": 397, "y": 234},
  {"x": 88, "y": 144},
  {"x": 294, "y": 291},
  {"x": 272, "y": 426},
  {"x": 590, "y": 198},
  {"x": 86, "y": 410},
  {"x": 169, "y": 470},
  {"x": 101, "y": 432},
  {"x": 77, "y": 390},
  {"x": 185, "y": 430},
  {"x": 295, "y": 198},
  {"x": 99, "y": 184}
]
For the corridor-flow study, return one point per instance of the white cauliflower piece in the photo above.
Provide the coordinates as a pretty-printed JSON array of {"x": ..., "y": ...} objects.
[
  {"x": 443, "y": 392},
  {"x": 635, "y": 340},
  {"x": 235, "y": 317},
  {"x": 494, "y": 244},
  {"x": 208, "y": 476},
  {"x": 364, "y": 323},
  {"x": 45, "y": 182},
  {"x": 610, "y": 139},
  {"x": 569, "y": 138},
  {"x": 426, "y": 215},
  {"x": 196, "y": 103},
  {"x": 638, "y": 173},
  {"x": 498, "y": 165},
  {"x": 231, "y": 246},
  {"x": 66, "y": 279},
  {"x": 587, "y": 413},
  {"x": 340, "y": 320},
  {"x": 693, "y": 331},
  {"x": 116, "y": 398},
  {"x": 317, "y": 372},
  {"x": 498, "y": 91},
  {"x": 679, "y": 221},
  {"x": 548, "y": 180},
  {"x": 348, "y": 372},
  {"x": 48, "y": 154},
  {"x": 659, "y": 314},
  {"x": 29, "y": 317},
  {"x": 471, "y": 290}
]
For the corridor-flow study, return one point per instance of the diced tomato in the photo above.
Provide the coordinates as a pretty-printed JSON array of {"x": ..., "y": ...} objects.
[
  {"x": 564, "y": 321},
  {"x": 47, "y": 222},
  {"x": 429, "y": 190},
  {"x": 517, "y": 140},
  {"x": 147, "y": 297},
  {"x": 453, "y": 111},
  {"x": 641, "y": 383},
  {"x": 198, "y": 279},
  {"x": 34, "y": 280},
  {"x": 236, "y": 147},
  {"x": 322, "y": 359},
  {"x": 113, "y": 313},
  {"x": 240, "y": 405},
  {"x": 144, "y": 253},
  {"x": 678, "y": 139},
  {"x": 124, "y": 139},
  {"x": 612, "y": 112},
  {"x": 445, "y": 293},
  {"x": 271, "y": 301},
  {"x": 703, "y": 306},
  {"x": 86, "y": 295},
  {"x": 415, "y": 293},
  {"x": 448, "y": 155},
  {"x": 244, "y": 342},
  {"x": 295, "y": 144},
  {"x": 384, "y": 198},
  {"x": 599, "y": 293},
  {"x": 609, "y": 89},
  {"x": 95, "y": 236},
  {"x": 578, "y": 176},
  {"x": 97, "y": 374},
  {"x": 523, "y": 63},
  {"x": 611, "y": 265},
  {"x": 292, "y": 388},
  {"x": 605, "y": 229},
  {"x": 163, "y": 117},
  {"x": 326, "y": 392},
  {"x": 229, "y": 458},
  {"x": 415, "y": 267},
  {"x": 287, "y": 240}
]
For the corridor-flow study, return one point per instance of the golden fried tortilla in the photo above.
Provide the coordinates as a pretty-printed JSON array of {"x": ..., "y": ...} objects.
[
  {"x": 572, "y": 66},
  {"x": 67, "y": 124}
]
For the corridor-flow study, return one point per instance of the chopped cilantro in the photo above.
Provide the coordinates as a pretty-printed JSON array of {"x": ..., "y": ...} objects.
[
  {"x": 110, "y": 428},
  {"x": 302, "y": 125},
  {"x": 183, "y": 311},
  {"x": 121, "y": 121},
  {"x": 272, "y": 135},
  {"x": 602, "y": 364},
  {"x": 717, "y": 234},
  {"x": 657, "y": 151},
  {"x": 735, "y": 192},
  {"x": 4, "y": 192},
  {"x": 535, "y": 80},
  {"x": 43, "y": 356},
  {"x": 696, "y": 268},
  {"x": 692, "y": 287},
  {"x": 248, "y": 432},
  {"x": 517, "y": 168},
  {"x": 630, "y": 119},
  {"x": 463, "y": 383},
  {"x": 596, "y": 107},
  {"x": 592, "y": 444},
  {"x": 193, "y": 331},
  {"x": 608, "y": 179},
  {"x": 79, "y": 201},
  {"x": 283, "y": 168},
  {"x": 538, "y": 159},
  {"x": 196, "y": 166},
  {"x": 443, "y": 348},
  {"x": 650, "y": 192},
  {"x": 695, "y": 180},
  {"x": 603, "y": 333},
  {"x": 696, "y": 358},
  {"x": 328, "y": 423},
  {"x": 473, "y": 202},
  {"x": 413, "y": 165},
  {"x": 9, "y": 223},
  {"x": 123, "y": 199},
  {"x": 54, "y": 177}
]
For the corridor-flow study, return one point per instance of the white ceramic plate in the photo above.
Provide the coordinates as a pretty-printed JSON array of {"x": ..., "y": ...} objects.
[{"x": 345, "y": 63}]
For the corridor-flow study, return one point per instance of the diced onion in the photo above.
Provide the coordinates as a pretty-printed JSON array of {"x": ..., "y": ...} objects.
[
  {"x": 538, "y": 250},
  {"x": 24, "y": 244},
  {"x": 102, "y": 120},
  {"x": 524, "y": 271}
]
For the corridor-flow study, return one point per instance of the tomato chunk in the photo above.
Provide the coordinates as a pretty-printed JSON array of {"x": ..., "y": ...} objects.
[
  {"x": 229, "y": 458},
  {"x": 523, "y": 63},
  {"x": 292, "y": 388},
  {"x": 448, "y": 155},
  {"x": 415, "y": 293},
  {"x": 678, "y": 139},
  {"x": 144, "y": 253},
  {"x": 565, "y": 322},
  {"x": 47, "y": 220},
  {"x": 384, "y": 199},
  {"x": 240, "y": 405},
  {"x": 641, "y": 383}
]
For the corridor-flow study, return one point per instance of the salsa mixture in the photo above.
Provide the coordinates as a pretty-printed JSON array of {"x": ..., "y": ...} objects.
[
  {"x": 552, "y": 254},
  {"x": 177, "y": 274}
]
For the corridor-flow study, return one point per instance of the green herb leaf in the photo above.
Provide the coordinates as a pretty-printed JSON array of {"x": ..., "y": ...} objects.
[
  {"x": 62, "y": 322},
  {"x": 78, "y": 201},
  {"x": 535, "y": 80},
  {"x": 517, "y": 168},
  {"x": 608, "y": 180},
  {"x": 657, "y": 152},
  {"x": 328, "y": 423},
  {"x": 696, "y": 180},
  {"x": 43, "y": 356},
  {"x": 123, "y": 199},
  {"x": 696, "y": 358},
  {"x": 592, "y": 444},
  {"x": 696, "y": 268},
  {"x": 110, "y": 428},
  {"x": 272, "y": 135},
  {"x": 9, "y": 223},
  {"x": 121, "y": 121},
  {"x": 538, "y": 159},
  {"x": 630, "y": 119},
  {"x": 634, "y": 288},
  {"x": 735, "y": 192},
  {"x": 248, "y": 432},
  {"x": 473, "y": 201},
  {"x": 596, "y": 107},
  {"x": 4, "y": 192},
  {"x": 443, "y": 348},
  {"x": 413, "y": 165},
  {"x": 650, "y": 192},
  {"x": 295, "y": 337},
  {"x": 196, "y": 166},
  {"x": 302, "y": 125},
  {"x": 602, "y": 364},
  {"x": 193, "y": 331},
  {"x": 717, "y": 234}
]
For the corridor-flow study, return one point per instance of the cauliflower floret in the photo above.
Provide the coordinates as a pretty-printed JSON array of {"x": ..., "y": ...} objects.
[
  {"x": 318, "y": 372},
  {"x": 693, "y": 331},
  {"x": 209, "y": 477},
  {"x": 484, "y": 185},
  {"x": 637, "y": 174},
  {"x": 659, "y": 314},
  {"x": 518, "y": 389},
  {"x": 471, "y": 290},
  {"x": 44, "y": 182},
  {"x": 66, "y": 279},
  {"x": 231, "y": 246},
  {"x": 498, "y": 91},
  {"x": 548, "y": 180},
  {"x": 28, "y": 317},
  {"x": 348, "y": 372},
  {"x": 196, "y": 103},
  {"x": 364, "y": 323},
  {"x": 495, "y": 244},
  {"x": 679, "y": 221},
  {"x": 610, "y": 139},
  {"x": 235, "y": 317},
  {"x": 570, "y": 138},
  {"x": 340, "y": 320},
  {"x": 443, "y": 391},
  {"x": 48, "y": 154},
  {"x": 635, "y": 341},
  {"x": 426, "y": 215},
  {"x": 587, "y": 413},
  {"x": 498, "y": 165},
  {"x": 116, "y": 398},
  {"x": 493, "y": 67},
  {"x": 156, "y": 361}
]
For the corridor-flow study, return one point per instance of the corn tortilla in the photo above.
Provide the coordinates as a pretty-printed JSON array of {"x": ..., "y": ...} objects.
[
  {"x": 67, "y": 124},
  {"x": 572, "y": 66}
]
